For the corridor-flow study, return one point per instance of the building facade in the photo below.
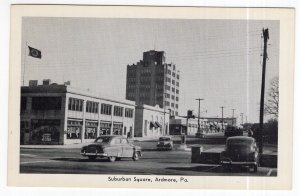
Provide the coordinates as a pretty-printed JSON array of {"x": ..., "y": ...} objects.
[
  {"x": 151, "y": 121},
  {"x": 60, "y": 114},
  {"x": 179, "y": 126},
  {"x": 152, "y": 81}
]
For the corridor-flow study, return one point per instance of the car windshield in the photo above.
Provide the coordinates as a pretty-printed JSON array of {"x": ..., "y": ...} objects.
[
  {"x": 164, "y": 139},
  {"x": 102, "y": 140}
]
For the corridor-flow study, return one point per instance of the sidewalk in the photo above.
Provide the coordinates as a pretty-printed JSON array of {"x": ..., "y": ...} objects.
[
  {"x": 80, "y": 145},
  {"x": 66, "y": 146}
]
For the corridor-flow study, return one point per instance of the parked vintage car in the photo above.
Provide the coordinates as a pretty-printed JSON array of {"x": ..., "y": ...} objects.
[
  {"x": 240, "y": 151},
  {"x": 165, "y": 143},
  {"x": 112, "y": 147}
]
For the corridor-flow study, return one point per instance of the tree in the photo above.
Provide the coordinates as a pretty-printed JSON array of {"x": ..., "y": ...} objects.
[{"x": 271, "y": 105}]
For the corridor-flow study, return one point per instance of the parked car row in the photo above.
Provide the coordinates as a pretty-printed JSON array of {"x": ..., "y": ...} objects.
[{"x": 239, "y": 151}]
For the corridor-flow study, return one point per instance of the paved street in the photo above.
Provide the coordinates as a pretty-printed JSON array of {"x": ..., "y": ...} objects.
[{"x": 176, "y": 162}]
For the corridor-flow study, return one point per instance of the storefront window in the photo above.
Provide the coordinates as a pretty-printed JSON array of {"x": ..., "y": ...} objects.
[
  {"x": 45, "y": 131},
  {"x": 117, "y": 129},
  {"x": 105, "y": 128},
  {"x": 90, "y": 133},
  {"x": 90, "y": 130},
  {"x": 74, "y": 129},
  {"x": 74, "y": 132}
]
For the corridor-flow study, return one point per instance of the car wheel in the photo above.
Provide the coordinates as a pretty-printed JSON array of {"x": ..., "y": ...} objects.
[
  {"x": 226, "y": 168},
  {"x": 255, "y": 168},
  {"x": 92, "y": 158},
  {"x": 135, "y": 156},
  {"x": 112, "y": 159}
]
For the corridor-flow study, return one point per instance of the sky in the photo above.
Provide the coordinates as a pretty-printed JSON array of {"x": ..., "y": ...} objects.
[{"x": 219, "y": 60}]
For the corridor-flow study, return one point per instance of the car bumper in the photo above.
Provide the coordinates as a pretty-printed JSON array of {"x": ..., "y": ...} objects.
[
  {"x": 93, "y": 154},
  {"x": 244, "y": 163}
]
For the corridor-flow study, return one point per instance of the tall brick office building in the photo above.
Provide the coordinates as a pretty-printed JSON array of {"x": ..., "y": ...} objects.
[{"x": 152, "y": 81}]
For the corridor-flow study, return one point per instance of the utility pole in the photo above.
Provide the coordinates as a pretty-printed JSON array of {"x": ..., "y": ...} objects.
[
  {"x": 199, "y": 99},
  {"x": 232, "y": 116},
  {"x": 262, "y": 94},
  {"x": 222, "y": 107}
]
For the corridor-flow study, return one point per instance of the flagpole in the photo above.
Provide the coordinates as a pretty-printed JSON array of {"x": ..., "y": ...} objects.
[{"x": 24, "y": 63}]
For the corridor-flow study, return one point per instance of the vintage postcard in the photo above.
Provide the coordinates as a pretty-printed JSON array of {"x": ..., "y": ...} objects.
[{"x": 151, "y": 97}]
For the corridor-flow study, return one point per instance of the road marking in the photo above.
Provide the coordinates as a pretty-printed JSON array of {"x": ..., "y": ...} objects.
[
  {"x": 29, "y": 162},
  {"x": 28, "y": 155},
  {"x": 269, "y": 173}
]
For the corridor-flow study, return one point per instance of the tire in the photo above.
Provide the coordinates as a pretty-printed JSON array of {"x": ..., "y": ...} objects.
[
  {"x": 226, "y": 168},
  {"x": 112, "y": 159},
  {"x": 92, "y": 158},
  {"x": 135, "y": 156},
  {"x": 255, "y": 168}
]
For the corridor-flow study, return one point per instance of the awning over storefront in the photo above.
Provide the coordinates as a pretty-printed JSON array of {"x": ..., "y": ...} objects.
[
  {"x": 158, "y": 124},
  {"x": 153, "y": 124}
]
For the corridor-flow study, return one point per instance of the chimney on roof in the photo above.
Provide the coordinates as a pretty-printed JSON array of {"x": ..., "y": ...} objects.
[
  {"x": 46, "y": 82},
  {"x": 33, "y": 82}
]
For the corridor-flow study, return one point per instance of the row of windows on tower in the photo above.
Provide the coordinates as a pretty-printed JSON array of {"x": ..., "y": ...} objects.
[
  {"x": 167, "y": 95},
  {"x": 173, "y": 81},
  {"x": 173, "y": 73},
  {"x": 174, "y": 66},
  {"x": 167, "y": 103},
  {"x": 167, "y": 87}
]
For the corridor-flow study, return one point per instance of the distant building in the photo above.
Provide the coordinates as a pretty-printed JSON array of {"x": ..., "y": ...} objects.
[
  {"x": 152, "y": 81},
  {"x": 150, "y": 121},
  {"x": 60, "y": 114},
  {"x": 178, "y": 126}
]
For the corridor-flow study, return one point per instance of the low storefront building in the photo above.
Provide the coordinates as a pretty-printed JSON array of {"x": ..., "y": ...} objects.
[
  {"x": 178, "y": 125},
  {"x": 150, "y": 121},
  {"x": 60, "y": 114}
]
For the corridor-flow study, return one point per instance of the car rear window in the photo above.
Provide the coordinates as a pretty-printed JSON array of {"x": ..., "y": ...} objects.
[
  {"x": 103, "y": 139},
  {"x": 239, "y": 142}
]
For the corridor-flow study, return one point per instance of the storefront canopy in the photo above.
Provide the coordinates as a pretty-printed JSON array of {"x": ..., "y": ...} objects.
[
  {"x": 153, "y": 124},
  {"x": 158, "y": 124}
]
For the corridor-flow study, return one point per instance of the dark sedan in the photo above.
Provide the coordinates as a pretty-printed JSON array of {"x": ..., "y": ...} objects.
[
  {"x": 112, "y": 147},
  {"x": 164, "y": 143},
  {"x": 240, "y": 151}
]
